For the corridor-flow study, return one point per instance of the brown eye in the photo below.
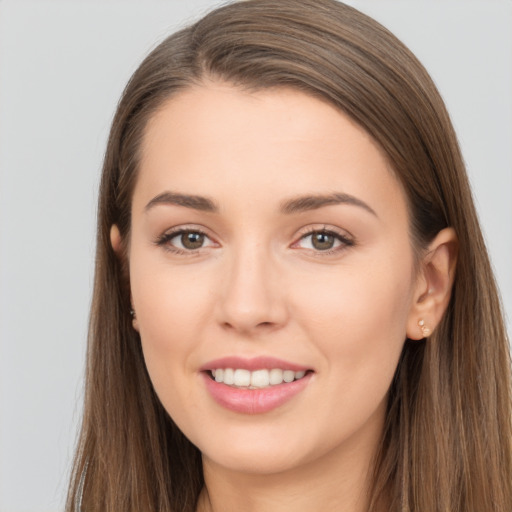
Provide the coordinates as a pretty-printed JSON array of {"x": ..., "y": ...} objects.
[
  {"x": 185, "y": 240},
  {"x": 192, "y": 240},
  {"x": 322, "y": 241}
]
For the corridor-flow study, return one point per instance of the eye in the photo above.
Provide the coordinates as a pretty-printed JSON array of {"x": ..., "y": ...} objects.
[
  {"x": 321, "y": 241},
  {"x": 324, "y": 241},
  {"x": 188, "y": 240},
  {"x": 185, "y": 240}
]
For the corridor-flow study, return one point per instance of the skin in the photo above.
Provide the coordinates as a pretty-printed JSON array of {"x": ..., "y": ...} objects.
[{"x": 259, "y": 287}]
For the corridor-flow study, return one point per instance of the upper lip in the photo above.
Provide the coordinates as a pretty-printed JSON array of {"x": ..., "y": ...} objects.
[{"x": 252, "y": 364}]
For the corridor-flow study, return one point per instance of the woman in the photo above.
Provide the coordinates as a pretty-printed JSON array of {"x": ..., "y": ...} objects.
[{"x": 293, "y": 303}]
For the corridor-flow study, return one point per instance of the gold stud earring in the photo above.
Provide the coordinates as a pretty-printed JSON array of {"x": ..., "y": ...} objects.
[{"x": 424, "y": 329}]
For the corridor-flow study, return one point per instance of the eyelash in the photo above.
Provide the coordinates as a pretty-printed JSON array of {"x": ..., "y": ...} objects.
[
  {"x": 164, "y": 241},
  {"x": 345, "y": 241}
]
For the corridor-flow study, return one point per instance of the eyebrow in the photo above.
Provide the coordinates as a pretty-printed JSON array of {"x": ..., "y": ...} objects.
[
  {"x": 306, "y": 203},
  {"x": 295, "y": 205},
  {"x": 189, "y": 201}
]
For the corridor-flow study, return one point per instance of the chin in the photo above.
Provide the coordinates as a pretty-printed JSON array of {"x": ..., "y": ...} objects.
[{"x": 254, "y": 462}]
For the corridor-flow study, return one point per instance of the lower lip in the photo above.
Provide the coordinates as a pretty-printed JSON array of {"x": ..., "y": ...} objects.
[{"x": 254, "y": 401}]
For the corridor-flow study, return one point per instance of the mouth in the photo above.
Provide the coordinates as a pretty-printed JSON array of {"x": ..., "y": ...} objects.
[
  {"x": 255, "y": 385},
  {"x": 258, "y": 379}
]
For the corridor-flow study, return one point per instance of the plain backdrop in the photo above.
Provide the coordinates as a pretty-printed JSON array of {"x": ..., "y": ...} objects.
[{"x": 62, "y": 68}]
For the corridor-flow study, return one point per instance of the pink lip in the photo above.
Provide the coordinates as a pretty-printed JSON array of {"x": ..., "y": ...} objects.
[
  {"x": 253, "y": 401},
  {"x": 255, "y": 363}
]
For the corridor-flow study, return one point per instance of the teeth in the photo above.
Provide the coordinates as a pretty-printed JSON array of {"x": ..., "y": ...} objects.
[
  {"x": 258, "y": 379},
  {"x": 288, "y": 376},
  {"x": 229, "y": 376},
  {"x": 242, "y": 378},
  {"x": 276, "y": 376}
]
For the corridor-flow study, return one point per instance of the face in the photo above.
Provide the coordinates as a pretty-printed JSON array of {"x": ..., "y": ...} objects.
[{"x": 271, "y": 274}]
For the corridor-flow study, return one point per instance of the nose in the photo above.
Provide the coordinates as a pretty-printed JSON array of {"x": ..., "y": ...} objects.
[{"x": 252, "y": 295}]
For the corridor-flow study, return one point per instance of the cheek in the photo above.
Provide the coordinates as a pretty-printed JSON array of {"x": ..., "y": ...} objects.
[
  {"x": 167, "y": 299},
  {"x": 171, "y": 305},
  {"x": 361, "y": 297},
  {"x": 359, "y": 319}
]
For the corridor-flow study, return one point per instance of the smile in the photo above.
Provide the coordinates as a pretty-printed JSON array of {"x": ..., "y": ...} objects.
[
  {"x": 258, "y": 379},
  {"x": 256, "y": 385}
]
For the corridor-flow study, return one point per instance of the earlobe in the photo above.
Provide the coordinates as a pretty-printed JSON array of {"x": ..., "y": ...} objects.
[
  {"x": 117, "y": 246},
  {"x": 434, "y": 285},
  {"x": 135, "y": 322},
  {"x": 115, "y": 239}
]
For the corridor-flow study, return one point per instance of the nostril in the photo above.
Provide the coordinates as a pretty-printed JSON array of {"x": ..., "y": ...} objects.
[{"x": 233, "y": 325}]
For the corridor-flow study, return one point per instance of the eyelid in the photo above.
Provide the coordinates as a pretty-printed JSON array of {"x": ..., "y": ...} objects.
[
  {"x": 163, "y": 239},
  {"x": 346, "y": 239}
]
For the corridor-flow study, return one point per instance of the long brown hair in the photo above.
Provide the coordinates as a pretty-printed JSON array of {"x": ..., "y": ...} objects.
[{"x": 446, "y": 446}]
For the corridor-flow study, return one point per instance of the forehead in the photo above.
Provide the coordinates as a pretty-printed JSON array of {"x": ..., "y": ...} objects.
[
  {"x": 220, "y": 140},
  {"x": 274, "y": 115}
]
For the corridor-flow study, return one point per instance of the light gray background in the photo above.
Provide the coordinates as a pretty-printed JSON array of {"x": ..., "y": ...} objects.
[{"x": 62, "y": 68}]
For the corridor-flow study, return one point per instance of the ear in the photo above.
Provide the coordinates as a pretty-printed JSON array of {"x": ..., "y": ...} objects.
[
  {"x": 115, "y": 239},
  {"x": 117, "y": 245},
  {"x": 434, "y": 285}
]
